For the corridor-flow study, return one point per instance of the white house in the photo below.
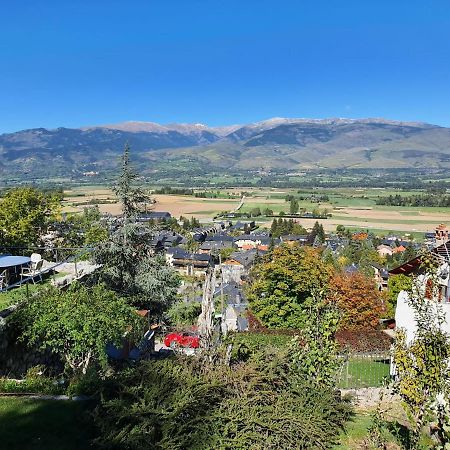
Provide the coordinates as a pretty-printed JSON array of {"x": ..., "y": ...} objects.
[{"x": 404, "y": 313}]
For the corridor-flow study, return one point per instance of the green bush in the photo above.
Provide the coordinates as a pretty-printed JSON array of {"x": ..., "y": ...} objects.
[
  {"x": 183, "y": 403},
  {"x": 184, "y": 313},
  {"x": 88, "y": 384},
  {"x": 35, "y": 382},
  {"x": 247, "y": 344}
]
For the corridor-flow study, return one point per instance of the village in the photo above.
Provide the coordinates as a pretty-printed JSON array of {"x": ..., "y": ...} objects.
[{"x": 87, "y": 296}]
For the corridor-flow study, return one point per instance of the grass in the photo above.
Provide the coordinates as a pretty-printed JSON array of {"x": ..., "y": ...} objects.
[
  {"x": 395, "y": 433},
  {"x": 359, "y": 373},
  {"x": 15, "y": 295},
  {"x": 355, "y": 432},
  {"x": 31, "y": 424}
]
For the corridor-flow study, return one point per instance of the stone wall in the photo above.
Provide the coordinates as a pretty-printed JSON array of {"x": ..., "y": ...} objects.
[{"x": 16, "y": 357}]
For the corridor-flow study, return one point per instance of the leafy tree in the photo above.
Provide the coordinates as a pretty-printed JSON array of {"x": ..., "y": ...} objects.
[
  {"x": 96, "y": 233},
  {"x": 282, "y": 284},
  {"x": 268, "y": 212},
  {"x": 191, "y": 244},
  {"x": 225, "y": 253},
  {"x": 293, "y": 207},
  {"x": 77, "y": 323},
  {"x": 82, "y": 229},
  {"x": 396, "y": 284},
  {"x": 315, "y": 350},
  {"x": 363, "y": 254},
  {"x": 359, "y": 300},
  {"x": 317, "y": 232},
  {"x": 340, "y": 230},
  {"x": 25, "y": 214},
  {"x": 282, "y": 227},
  {"x": 255, "y": 212}
]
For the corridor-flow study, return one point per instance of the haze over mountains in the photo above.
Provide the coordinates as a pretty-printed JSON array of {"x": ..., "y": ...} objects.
[{"x": 278, "y": 143}]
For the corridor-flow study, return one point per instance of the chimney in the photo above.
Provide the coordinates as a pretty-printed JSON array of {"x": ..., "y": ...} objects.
[{"x": 441, "y": 234}]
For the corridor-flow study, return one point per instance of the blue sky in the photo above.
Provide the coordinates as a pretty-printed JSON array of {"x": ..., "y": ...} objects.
[{"x": 72, "y": 63}]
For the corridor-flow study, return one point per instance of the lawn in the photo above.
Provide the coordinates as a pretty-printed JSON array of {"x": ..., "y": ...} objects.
[
  {"x": 364, "y": 372},
  {"x": 15, "y": 295},
  {"x": 355, "y": 432},
  {"x": 30, "y": 424}
]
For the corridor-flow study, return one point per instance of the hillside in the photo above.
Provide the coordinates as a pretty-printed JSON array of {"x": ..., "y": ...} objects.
[{"x": 276, "y": 143}]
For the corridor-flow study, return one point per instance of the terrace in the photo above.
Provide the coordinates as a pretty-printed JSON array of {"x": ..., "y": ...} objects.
[{"x": 23, "y": 276}]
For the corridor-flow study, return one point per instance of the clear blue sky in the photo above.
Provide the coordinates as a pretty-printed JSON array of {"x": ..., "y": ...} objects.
[{"x": 72, "y": 63}]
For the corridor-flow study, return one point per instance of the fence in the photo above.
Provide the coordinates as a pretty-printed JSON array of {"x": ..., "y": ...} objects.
[
  {"x": 56, "y": 254},
  {"x": 61, "y": 256},
  {"x": 361, "y": 370}
]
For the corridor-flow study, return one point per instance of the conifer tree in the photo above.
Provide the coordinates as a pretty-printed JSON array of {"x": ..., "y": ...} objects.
[
  {"x": 131, "y": 197},
  {"x": 129, "y": 265}
]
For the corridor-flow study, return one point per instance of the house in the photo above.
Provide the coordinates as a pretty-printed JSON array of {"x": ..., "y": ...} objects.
[
  {"x": 235, "y": 318},
  {"x": 384, "y": 250},
  {"x": 188, "y": 263},
  {"x": 360, "y": 236},
  {"x": 217, "y": 242},
  {"x": 399, "y": 249},
  {"x": 430, "y": 239},
  {"x": 441, "y": 234},
  {"x": 404, "y": 313},
  {"x": 230, "y": 299},
  {"x": 214, "y": 246},
  {"x": 381, "y": 276},
  {"x": 243, "y": 227},
  {"x": 238, "y": 265},
  {"x": 290, "y": 239},
  {"x": 231, "y": 292},
  {"x": 336, "y": 243},
  {"x": 166, "y": 239},
  {"x": 249, "y": 241},
  {"x": 353, "y": 268},
  {"x": 156, "y": 216},
  {"x": 201, "y": 234}
]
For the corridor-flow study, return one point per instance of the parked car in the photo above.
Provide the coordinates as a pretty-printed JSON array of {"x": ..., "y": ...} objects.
[{"x": 187, "y": 340}]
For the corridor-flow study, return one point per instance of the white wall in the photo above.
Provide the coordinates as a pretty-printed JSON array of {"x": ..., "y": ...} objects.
[{"x": 404, "y": 314}]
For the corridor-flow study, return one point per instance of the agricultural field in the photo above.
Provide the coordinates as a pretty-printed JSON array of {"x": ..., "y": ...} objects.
[{"x": 353, "y": 208}]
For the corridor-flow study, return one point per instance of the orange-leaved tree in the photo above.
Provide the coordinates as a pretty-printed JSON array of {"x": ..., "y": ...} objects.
[{"x": 359, "y": 300}]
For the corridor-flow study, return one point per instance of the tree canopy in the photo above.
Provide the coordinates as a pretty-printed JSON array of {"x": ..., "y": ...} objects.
[
  {"x": 77, "y": 323},
  {"x": 283, "y": 282},
  {"x": 24, "y": 216},
  {"x": 359, "y": 300}
]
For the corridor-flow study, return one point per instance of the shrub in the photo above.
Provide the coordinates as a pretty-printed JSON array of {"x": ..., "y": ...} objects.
[
  {"x": 189, "y": 404},
  {"x": 364, "y": 341},
  {"x": 184, "y": 313},
  {"x": 35, "y": 382}
]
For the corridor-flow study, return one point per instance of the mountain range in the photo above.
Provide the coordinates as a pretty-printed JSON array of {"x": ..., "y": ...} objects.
[{"x": 278, "y": 143}]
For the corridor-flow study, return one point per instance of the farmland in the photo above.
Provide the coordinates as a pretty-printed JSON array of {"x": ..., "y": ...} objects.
[{"x": 353, "y": 208}]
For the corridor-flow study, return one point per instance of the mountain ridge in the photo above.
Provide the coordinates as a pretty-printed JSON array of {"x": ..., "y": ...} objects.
[{"x": 276, "y": 143}]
